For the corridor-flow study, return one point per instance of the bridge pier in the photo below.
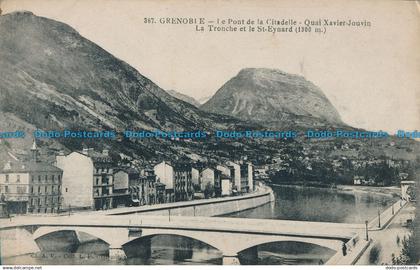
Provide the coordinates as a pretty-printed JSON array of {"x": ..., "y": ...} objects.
[
  {"x": 249, "y": 256},
  {"x": 116, "y": 253},
  {"x": 231, "y": 260}
]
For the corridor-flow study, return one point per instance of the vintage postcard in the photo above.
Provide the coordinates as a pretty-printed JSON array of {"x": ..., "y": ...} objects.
[{"x": 228, "y": 132}]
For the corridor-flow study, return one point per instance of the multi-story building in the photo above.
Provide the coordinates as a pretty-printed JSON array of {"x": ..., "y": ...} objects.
[
  {"x": 211, "y": 182},
  {"x": 88, "y": 180},
  {"x": 145, "y": 188},
  {"x": 226, "y": 180},
  {"x": 183, "y": 188},
  {"x": 77, "y": 182},
  {"x": 246, "y": 176},
  {"x": 235, "y": 174},
  {"x": 226, "y": 185},
  {"x": 103, "y": 179},
  {"x": 31, "y": 186},
  {"x": 134, "y": 187},
  {"x": 149, "y": 186},
  {"x": 195, "y": 177},
  {"x": 120, "y": 191},
  {"x": 165, "y": 175}
]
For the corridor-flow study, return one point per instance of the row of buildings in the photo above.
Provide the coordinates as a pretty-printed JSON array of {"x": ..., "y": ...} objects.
[{"x": 91, "y": 180}]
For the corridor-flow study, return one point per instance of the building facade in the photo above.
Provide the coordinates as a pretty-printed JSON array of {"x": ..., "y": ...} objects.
[
  {"x": 246, "y": 176},
  {"x": 235, "y": 174},
  {"x": 31, "y": 187},
  {"x": 211, "y": 183},
  {"x": 77, "y": 181},
  {"x": 120, "y": 191},
  {"x": 165, "y": 175},
  {"x": 183, "y": 187},
  {"x": 103, "y": 180}
]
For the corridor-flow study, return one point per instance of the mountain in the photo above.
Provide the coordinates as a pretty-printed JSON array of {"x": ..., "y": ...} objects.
[
  {"x": 185, "y": 98},
  {"x": 49, "y": 68},
  {"x": 273, "y": 98},
  {"x": 204, "y": 100},
  {"x": 55, "y": 79}
]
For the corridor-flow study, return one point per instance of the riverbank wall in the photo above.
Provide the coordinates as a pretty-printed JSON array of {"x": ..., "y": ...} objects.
[{"x": 207, "y": 207}]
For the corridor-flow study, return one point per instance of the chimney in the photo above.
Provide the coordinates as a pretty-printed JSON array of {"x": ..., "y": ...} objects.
[{"x": 34, "y": 152}]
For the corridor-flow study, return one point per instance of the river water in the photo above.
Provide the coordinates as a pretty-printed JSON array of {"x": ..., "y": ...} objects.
[{"x": 292, "y": 203}]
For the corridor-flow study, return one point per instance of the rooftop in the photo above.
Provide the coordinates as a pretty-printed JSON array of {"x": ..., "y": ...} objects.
[{"x": 22, "y": 167}]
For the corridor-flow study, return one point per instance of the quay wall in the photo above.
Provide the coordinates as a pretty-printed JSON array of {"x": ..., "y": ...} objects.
[{"x": 207, "y": 207}]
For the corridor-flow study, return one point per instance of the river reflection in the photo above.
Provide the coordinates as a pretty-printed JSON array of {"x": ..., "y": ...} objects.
[
  {"x": 321, "y": 204},
  {"x": 292, "y": 203}
]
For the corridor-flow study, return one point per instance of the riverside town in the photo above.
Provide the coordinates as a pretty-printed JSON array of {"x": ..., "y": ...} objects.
[{"x": 202, "y": 132}]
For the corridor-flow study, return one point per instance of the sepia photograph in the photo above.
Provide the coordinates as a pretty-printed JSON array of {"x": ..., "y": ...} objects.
[{"x": 226, "y": 132}]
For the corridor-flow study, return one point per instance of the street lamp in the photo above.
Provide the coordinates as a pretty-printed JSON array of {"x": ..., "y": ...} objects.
[
  {"x": 367, "y": 233},
  {"x": 379, "y": 218}
]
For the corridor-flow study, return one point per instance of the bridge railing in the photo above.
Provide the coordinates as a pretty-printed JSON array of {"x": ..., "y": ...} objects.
[{"x": 383, "y": 218}]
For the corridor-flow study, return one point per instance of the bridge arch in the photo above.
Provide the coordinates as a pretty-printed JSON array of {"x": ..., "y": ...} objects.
[
  {"x": 110, "y": 237},
  {"x": 186, "y": 235},
  {"x": 183, "y": 245},
  {"x": 330, "y": 244}
]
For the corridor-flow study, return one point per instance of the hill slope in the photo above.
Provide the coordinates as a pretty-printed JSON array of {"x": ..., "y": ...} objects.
[
  {"x": 53, "y": 78},
  {"x": 48, "y": 68},
  {"x": 185, "y": 98}
]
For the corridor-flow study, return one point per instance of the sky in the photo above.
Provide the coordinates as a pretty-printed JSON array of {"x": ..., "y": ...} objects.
[{"x": 369, "y": 74}]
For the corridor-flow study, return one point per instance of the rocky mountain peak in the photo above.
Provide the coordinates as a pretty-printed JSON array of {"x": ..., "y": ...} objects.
[{"x": 274, "y": 97}]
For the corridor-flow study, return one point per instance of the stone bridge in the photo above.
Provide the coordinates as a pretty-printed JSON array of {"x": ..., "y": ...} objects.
[{"x": 228, "y": 235}]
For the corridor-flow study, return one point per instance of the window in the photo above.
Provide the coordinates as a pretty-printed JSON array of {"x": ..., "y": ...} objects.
[
  {"x": 18, "y": 178},
  {"x": 32, "y": 178},
  {"x": 53, "y": 177},
  {"x": 46, "y": 189},
  {"x": 39, "y": 190},
  {"x": 21, "y": 190},
  {"x": 67, "y": 190},
  {"x": 46, "y": 178},
  {"x": 6, "y": 189},
  {"x": 7, "y": 178},
  {"x": 32, "y": 190},
  {"x": 39, "y": 178},
  {"x": 59, "y": 178}
]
